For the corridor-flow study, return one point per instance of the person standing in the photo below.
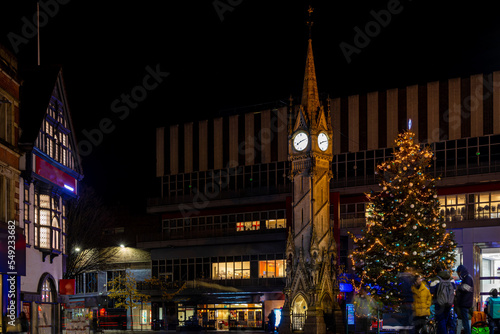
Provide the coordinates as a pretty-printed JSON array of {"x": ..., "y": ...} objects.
[
  {"x": 492, "y": 323},
  {"x": 406, "y": 280},
  {"x": 364, "y": 307},
  {"x": 465, "y": 295},
  {"x": 442, "y": 311},
  {"x": 25, "y": 325},
  {"x": 422, "y": 301},
  {"x": 272, "y": 321}
]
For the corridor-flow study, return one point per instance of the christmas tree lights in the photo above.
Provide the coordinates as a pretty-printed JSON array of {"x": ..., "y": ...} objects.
[{"x": 404, "y": 231}]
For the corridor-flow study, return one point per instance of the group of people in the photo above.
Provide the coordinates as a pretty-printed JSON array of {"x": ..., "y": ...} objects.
[
  {"x": 462, "y": 300},
  {"x": 442, "y": 296}
]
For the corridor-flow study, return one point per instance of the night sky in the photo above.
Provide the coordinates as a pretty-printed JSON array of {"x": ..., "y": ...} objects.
[{"x": 243, "y": 53}]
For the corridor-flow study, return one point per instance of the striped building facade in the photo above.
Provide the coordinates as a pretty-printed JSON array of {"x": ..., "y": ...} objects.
[
  {"x": 216, "y": 170},
  {"x": 441, "y": 110}
]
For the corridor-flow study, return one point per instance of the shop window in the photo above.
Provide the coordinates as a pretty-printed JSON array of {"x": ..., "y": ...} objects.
[
  {"x": 90, "y": 282},
  {"x": 272, "y": 268},
  {"x": 490, "y": 272}
]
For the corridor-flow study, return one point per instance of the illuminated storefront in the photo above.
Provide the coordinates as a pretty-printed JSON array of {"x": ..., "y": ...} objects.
[{"x": 225, "y": 316}]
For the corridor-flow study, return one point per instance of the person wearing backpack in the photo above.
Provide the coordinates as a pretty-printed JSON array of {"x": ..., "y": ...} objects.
[
  {"x": 493, "y": 319},
  {"x": 465, "y": 295},
  {"x": 442, "y": 288}
]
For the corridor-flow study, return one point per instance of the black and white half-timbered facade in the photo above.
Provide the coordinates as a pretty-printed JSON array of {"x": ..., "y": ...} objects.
[{"x": 50, "y": 175}]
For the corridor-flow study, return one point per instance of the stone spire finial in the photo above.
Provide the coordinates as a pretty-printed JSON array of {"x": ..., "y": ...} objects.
[{"x": 310, "y": 96}]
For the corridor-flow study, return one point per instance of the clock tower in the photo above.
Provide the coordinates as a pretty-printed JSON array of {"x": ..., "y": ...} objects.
[{"x": 311, "y": 289}]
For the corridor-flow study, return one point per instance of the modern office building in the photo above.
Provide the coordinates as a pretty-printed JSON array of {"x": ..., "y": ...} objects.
[
  {"x": 460, "y": 119},
  {"x": 227, "y": 201},
  {"x": 50, "y": 176}
]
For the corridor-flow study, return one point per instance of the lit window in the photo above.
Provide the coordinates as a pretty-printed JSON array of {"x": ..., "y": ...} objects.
[
  {"x": 272, "y": 268},
  {"x": 248, "y": 226},
  {"x": 231, "y": 270},
  {"x": 47, "y": 226},
  {"x": 47, "y": 292},
  {"x": 275, "y": 223},
  {"x": 53, "y": 137}
]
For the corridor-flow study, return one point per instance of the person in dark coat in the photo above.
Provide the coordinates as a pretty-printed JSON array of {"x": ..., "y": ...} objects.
[
  {"x": 492, "y": 323},
  {"x": 272, "y": 321},
  {"x": 25, "y": 325},
  {"x": 406, "y": 281},
  {"x": 442, "y": 314},
  {"x": 465, "y": 295}
]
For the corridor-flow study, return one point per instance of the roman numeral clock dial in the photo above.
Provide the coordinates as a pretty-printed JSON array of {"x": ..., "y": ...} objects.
[
  {"x": 323, "y": 141},
  {"x": 300, "y": 141}
]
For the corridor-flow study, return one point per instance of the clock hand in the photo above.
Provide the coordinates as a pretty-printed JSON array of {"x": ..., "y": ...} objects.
[{"x": 324, "y": 141}]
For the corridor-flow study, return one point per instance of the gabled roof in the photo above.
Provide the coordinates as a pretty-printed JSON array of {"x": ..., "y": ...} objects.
[
  {"x": 35, "y": 92},
  {"x": 39, "y": 85}
]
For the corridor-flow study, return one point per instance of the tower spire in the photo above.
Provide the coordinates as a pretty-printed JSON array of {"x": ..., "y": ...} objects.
[{"x": 310, "y": 96}]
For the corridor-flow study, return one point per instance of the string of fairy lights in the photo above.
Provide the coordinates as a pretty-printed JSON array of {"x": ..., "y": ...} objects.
[{"x": 405, "y": 231}]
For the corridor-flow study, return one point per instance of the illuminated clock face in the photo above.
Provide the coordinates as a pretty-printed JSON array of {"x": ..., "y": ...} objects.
[
  {"x": 300, "y": 141},
  {"x": 323, "y": 141}
]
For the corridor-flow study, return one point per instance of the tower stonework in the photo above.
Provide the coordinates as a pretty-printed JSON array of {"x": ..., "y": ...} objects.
[{"x": 311, "y": 305}]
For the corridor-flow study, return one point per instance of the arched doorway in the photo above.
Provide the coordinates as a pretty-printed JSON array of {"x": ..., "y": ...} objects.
[
  {"x": 46, "y": 309},
  {"x": 299, "y": 311}
]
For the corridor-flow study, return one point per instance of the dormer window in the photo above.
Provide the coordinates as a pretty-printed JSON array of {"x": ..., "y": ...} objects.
[{"x": 53, "y": 139}]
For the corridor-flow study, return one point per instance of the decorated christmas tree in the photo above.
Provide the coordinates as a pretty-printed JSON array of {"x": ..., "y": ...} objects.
[{"x": 405, "y": 232}]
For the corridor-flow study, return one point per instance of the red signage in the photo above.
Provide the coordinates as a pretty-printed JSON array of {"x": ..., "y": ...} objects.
[
  {"x": 66, "y": 286},
  {"x": 55, "y": 175}
]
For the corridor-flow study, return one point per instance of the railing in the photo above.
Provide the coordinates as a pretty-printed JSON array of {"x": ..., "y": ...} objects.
[
  {"x": 214, "y": 284},
  {"x": 352, "y": 222},
  {"x": 357, "y": 181},
  {"x": 345, "y": 182},
  {"x": 298, "y": 321},
  {"x": 478, "y": 220},
  {"x": 208, "y": 233},
  {"x": 197, "y": 197}
]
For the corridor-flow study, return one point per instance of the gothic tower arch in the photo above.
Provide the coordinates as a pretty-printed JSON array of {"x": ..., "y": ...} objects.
[{"x": 311, "y": 248}]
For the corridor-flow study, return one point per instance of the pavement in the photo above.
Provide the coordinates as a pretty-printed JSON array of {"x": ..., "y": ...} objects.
[{"x": 112, "y": 331}]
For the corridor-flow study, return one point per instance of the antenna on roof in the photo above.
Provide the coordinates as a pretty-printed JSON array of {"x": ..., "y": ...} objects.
[{"x": 38, "y": 30}]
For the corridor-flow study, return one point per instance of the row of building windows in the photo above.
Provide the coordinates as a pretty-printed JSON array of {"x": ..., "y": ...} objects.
[
  {"x": 470, "y": 206},
  {"x": 451, "y": 158},
  {"x": 452, "y": 208},
  {"x": 241, "y": 270},
  {"x": 89, "y": 282},
  {"x": 250, "y": 221},
  {"x": 220, "y": 268},
  {"x": 242, "y": 178}
]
